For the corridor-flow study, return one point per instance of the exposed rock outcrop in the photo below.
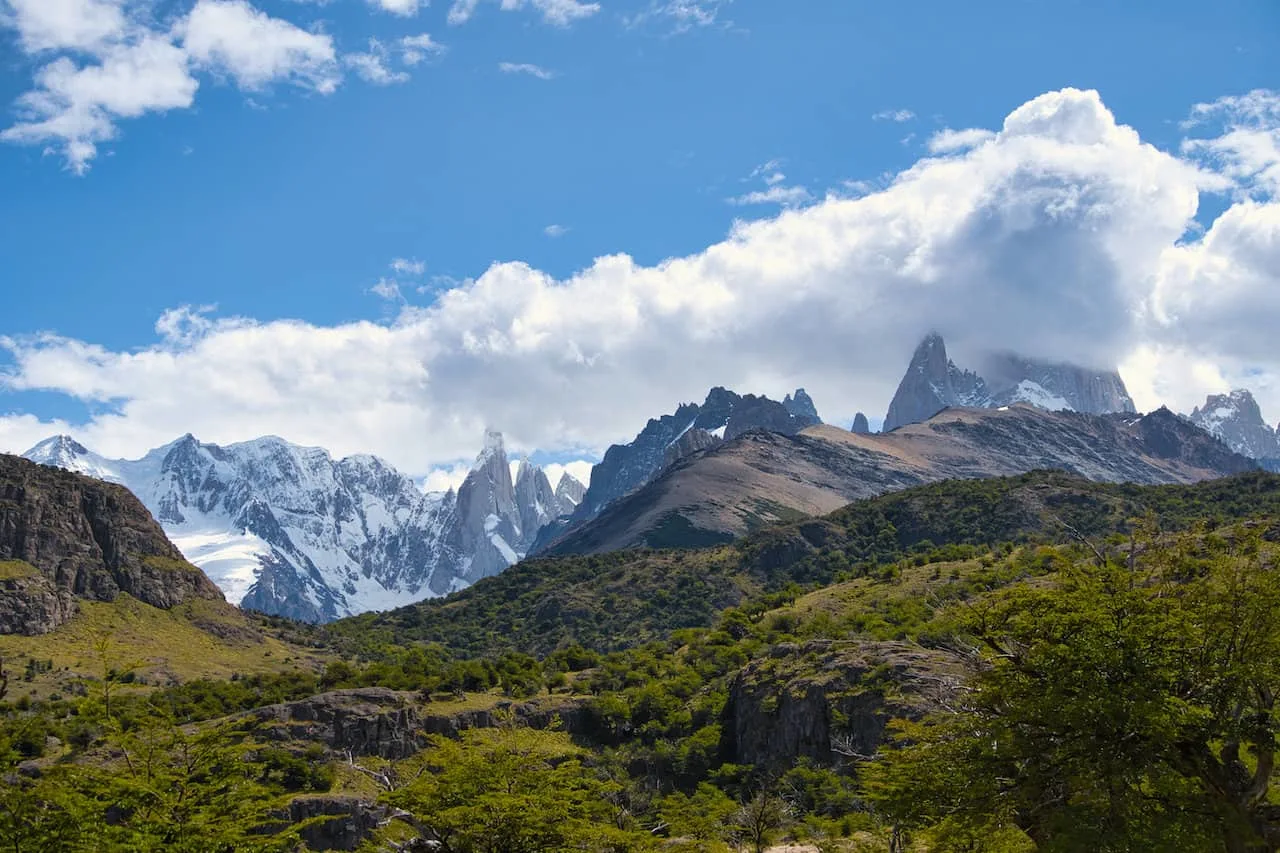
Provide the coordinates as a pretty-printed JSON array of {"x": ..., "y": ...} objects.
[
  {"x": 861, "y": 426},
  {"x": 395, "y": 724},
  {"x": 81, "y": 538},
  {"x": 689, "y": 443},
  {"x": 822, "y": 699},
  {"x": 801, "y": 405},
  {"x": 933, "y": 382},
  {"x": 627, "y": 467},
  {"x": 335, "y": 822}
]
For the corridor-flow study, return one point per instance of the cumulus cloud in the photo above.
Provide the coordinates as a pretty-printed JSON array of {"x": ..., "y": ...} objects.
[
  {"x": 406, "y": 266},
  {"x": 526, "y": 68},
  {"x": 85, "y": 25},
  {"x": 100, "y": 61},
  {"x": 1064, "y": 236},
  {"x": 947, "y": 140},
  {"x": 775, "y": 192},
  {"x": 373, "y": 65},
  {"x": 403, "y": 8},
  {"x": 232, "y": 37},
  {"x": 75, "y": 107},
  {"x": 416, "y": 49},
  {"x": 560, "y": 13},
  {"x": 1247, "y": 148}
]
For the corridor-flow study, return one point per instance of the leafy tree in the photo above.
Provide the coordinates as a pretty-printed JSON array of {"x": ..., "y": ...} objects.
[
  {"x": 513, "y": 789},
  {"x": 705, "y": 815},
  {"x": 1129, "y": 707}
]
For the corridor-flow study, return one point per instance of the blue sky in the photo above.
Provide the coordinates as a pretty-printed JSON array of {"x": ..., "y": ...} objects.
[{"x": 288, "y": 185}]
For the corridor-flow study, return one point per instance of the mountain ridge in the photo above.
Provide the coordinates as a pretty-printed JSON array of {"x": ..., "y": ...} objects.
[
  {"x": 289, "y": 530},
  {"x": 761, "y": 478}
]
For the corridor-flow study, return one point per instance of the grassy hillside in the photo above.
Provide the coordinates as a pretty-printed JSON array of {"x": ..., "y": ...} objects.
[
  {"x": 621, "y": 599},
  {"x": 199, "y": 639}
]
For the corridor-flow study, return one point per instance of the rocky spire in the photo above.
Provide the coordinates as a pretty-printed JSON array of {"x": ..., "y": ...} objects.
[
  {"x": 569, "y": 492},
  {"x": 860, "y": 424},
  {"x": 931, "y": 384},
  {"x": 801, "y": 405}
]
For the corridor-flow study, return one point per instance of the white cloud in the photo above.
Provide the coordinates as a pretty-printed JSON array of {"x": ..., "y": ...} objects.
[
  {"x": 579, "y": 469},
  {"x": 446, "y": 478},
  {"x": 560, "y": 13},
  {"x": 74, "y": 108},
  {"x": 387, "y": 288},
  {"x": 1248, "y": 149},
  {"x": 681, "y": 15},
  {"x": 372, "y": 66},
  {"x": 404, "y": 8},
  {"x": 894, "y": 115},
  {"x": 775, "y": 194},
  {"x": 556, "y": 230},
  {"x": 1064, "y": 236},
  {"x": 526, "y": 68},
  {"x": 234, "y": 38},
  {"x": 947, "y": 140},
  {"x": 406, "y": 266},
  {"x": 415, "y": 49},
  {"x": 85, "y": 25}
]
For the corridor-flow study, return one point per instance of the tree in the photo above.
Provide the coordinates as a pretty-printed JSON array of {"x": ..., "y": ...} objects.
[
  {"x": 706, "y": 815},
  {"x": 512, "y": 789},
  {"x": 1131, "y": 706}
]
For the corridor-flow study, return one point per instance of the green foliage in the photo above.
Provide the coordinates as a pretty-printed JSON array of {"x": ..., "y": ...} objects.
[
  {"x": 515, "y": 790},
  {"x": 1129, "y": 707}
]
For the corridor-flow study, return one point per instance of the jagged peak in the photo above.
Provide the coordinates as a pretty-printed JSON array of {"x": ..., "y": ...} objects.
[
  {"x": 493, "y": 446},
  {"x": 56, "y": 445},
  {"x": 567, "y": 480}
]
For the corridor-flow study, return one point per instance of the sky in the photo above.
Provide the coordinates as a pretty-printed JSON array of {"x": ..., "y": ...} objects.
[{"x": 383, "y": 226}]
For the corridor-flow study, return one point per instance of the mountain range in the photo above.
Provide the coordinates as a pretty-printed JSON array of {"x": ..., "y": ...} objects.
[
  {"x": 289, "y": 530},
  {"x": 720, "y": 493}
]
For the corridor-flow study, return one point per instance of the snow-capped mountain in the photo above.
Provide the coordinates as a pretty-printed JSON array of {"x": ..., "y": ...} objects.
[
  {"x": 291, "y": 531},
  {"x": 933, "y": 382},
  {"x": 1236, "y": 419}
]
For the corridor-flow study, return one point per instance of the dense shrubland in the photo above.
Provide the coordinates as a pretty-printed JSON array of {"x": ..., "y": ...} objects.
[{"x": 1120, "y": 649}]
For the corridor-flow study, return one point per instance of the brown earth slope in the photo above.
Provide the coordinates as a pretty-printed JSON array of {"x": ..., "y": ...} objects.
[{"x": 760, "y": 478}]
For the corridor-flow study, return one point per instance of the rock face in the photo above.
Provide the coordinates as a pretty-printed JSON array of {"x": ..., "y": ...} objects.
[
  {"x": 801, "y": 405},
  {"x": 723, "y": 415},
  {"x": 1236, "y": 419},
  {"x": 933, "y": 382},
  {"x": 370, "y": 721},
  {"x": 762, "y": 478},
  {"x": 686, "y": 445},
  {"x": 569, "y": 493},
  {"x": 335, "y": 822},
  {"x": 65, "y": 536},
  {"x": 288, "y": 530},
  {"x": 825, "y": 699},
  {"x": 861, "y": 426}
]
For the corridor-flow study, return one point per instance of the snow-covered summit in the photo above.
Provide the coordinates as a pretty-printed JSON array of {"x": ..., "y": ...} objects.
[
  {"x": 1236, "y": 419},
  {"x": 290, "y": 530},
  {"x": 63, "y": 451}
]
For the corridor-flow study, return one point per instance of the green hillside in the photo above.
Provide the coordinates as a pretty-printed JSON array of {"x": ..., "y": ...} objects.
[{"x": 1075, "y": 666}]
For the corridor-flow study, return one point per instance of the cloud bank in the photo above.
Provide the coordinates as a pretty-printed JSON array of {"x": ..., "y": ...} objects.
[{"x": 1060, "y": 234}]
